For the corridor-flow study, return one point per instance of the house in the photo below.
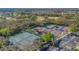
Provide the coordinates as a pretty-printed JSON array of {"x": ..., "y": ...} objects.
[
  {"x": 40, "y": 29},
  {"x": 58, "y": 31},
  {"x": 50, "y": 26}
]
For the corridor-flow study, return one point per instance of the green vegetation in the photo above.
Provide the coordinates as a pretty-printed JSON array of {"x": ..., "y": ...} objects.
[
  {"x": 77, "y": 48},
  {"x": 34, "y": 17},
  {"x": 47, "y": 37},
  {"x": 21, "y": 21},
  {"x": 3, "y": 43},
  {"x": 72, "y": 28},
  {"x": 5, "y": 31}
]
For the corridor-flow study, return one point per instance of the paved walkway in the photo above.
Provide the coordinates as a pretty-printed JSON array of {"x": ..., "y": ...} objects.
[{"x": 64, "y": 36}]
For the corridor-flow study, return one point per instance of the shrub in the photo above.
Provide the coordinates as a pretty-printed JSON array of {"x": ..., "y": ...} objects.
[
  {"x": 47, "y": 37},
  {"x": 34, "y": 18},
  {"x": 3, "y": 43},
  {"x": 76, "y": 48},
  {"x": 5, "y": 31},
  {"x": 72, "y": 29}
]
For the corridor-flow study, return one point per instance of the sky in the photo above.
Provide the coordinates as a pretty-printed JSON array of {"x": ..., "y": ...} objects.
[{"x": 39, "y": 3}]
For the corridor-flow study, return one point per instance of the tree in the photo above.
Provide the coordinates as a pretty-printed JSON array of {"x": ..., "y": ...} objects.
[{"x": 47, "y": 37}]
